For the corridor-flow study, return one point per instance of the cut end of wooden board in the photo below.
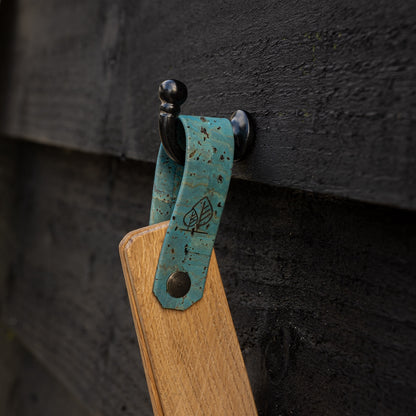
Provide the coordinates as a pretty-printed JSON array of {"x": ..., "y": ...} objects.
[{"x": 192, "y": 359}]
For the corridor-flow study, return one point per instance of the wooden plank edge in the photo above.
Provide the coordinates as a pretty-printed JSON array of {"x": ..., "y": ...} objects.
[{"x": 150, "y": 379}]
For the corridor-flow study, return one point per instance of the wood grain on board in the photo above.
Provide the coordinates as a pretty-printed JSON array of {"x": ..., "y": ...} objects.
[
  {"x": 330, "y": 84},
  {"x": 191, "y": 358}
]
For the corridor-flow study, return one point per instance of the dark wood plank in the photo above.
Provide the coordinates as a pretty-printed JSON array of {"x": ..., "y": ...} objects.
[
  {"x": 321, "y": 289},
  {"x": 27, "y": 388},
  {"x": 331, "y": 84},
  {"x": 83, "y": 332},
  {"x": 8, "y": 177}
]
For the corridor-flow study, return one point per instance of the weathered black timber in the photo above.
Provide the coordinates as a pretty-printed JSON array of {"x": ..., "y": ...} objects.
[
  {"x": 27, "y": 388},
  {"x": 322, "y": 290},
  {"x": 331, "y": 84}
]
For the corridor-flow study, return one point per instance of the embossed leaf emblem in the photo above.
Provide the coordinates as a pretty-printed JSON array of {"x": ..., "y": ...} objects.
[
  {"x": 191, "y": 218},
  {"x": 199, "y": 215}
]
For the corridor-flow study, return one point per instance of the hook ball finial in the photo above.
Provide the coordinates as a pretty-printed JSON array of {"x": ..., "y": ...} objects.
[{"x": 173, "y": 94}]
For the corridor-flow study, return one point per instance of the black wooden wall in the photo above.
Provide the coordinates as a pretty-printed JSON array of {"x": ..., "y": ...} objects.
[{"x": 317, "y": 245}]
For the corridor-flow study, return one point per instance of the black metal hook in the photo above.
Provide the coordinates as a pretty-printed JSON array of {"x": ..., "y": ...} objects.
[{"x": 173, "y": 94}]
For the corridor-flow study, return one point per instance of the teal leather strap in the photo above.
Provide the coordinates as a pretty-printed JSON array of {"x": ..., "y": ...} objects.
[
  {"x": 193, "y": 198},
  {"x": 168, "y": 177}
]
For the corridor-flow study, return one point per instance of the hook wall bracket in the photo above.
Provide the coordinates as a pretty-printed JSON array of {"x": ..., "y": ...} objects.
[{"x": 173, "y": 94}]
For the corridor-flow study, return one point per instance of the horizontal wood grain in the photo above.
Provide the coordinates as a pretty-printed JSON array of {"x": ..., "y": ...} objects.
[
  {"x": 330, "y": 84},
  {"x": 321, "y": 290}
]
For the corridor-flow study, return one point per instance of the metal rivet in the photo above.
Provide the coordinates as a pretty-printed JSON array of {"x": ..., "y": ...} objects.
[{"x": 178, "y": 284}]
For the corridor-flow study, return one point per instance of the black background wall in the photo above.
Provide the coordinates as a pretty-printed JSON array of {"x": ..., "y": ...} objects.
[{"x": 317, "y": 246}]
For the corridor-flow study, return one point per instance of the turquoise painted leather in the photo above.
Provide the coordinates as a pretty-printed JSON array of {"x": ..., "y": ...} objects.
[
  {"x": 193, "y": 198},
  {"x": 168, "y": 177}
]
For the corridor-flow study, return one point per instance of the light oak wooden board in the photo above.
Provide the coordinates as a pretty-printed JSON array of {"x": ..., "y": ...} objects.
[{"x": 192, "y": 358}]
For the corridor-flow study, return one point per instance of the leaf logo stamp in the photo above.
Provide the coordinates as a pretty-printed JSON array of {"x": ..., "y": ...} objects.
[{"x": 199, "y": 215}]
